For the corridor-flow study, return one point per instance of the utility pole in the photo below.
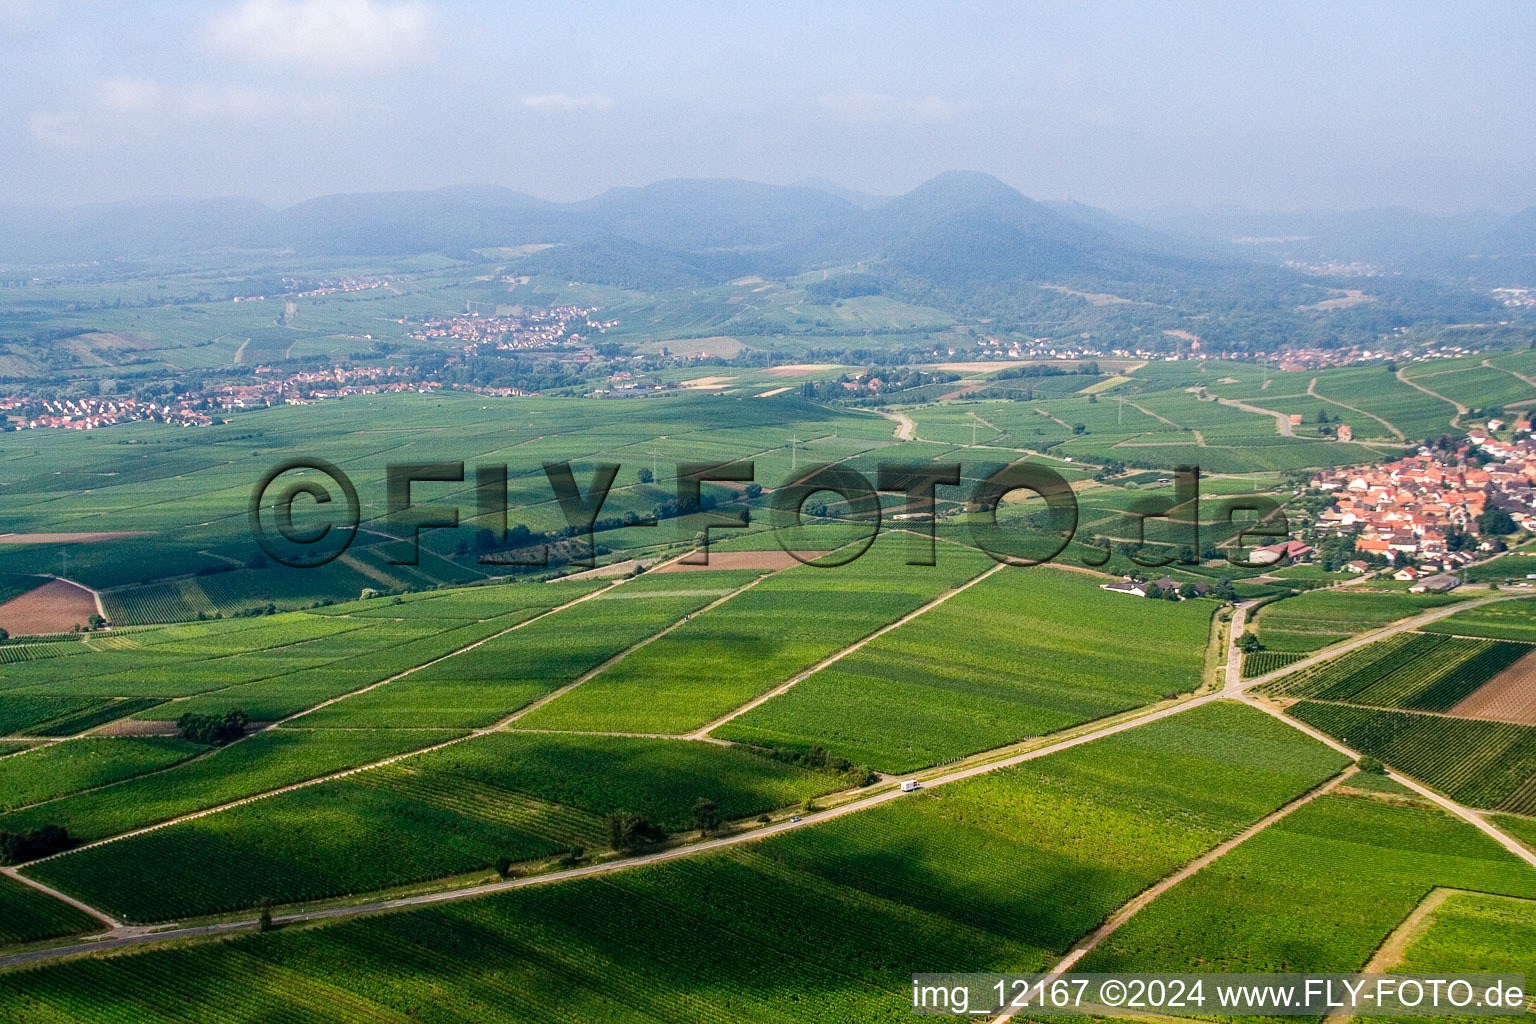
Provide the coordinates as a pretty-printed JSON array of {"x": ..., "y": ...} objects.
[{"x": 793, "y": 440}]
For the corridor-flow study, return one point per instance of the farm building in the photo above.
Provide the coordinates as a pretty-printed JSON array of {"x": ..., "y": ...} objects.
[{"x": 1436, "y": 584}]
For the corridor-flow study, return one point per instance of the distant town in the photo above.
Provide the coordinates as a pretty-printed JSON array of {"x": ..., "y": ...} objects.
[{"x": 1436, "y": 509}]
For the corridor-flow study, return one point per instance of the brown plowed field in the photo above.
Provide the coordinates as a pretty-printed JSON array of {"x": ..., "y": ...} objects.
[
  {"x": 54, "y": 607},
  {"x": 766, "y": 560},
  {"x": 1509, "y": 696}
]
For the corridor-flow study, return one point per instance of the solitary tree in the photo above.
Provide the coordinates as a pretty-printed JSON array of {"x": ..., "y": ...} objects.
[
  {"x": 630, "y": 832},
  {"x": 213, "y": 730},
  {"x": 706, "y": 816}
]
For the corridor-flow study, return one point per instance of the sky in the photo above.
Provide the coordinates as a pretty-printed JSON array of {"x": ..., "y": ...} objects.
[{"x": 1274, "y": 105}]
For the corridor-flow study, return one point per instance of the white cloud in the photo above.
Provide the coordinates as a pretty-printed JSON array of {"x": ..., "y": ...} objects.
[
  {"x": 335, "y": 35},
  {"x": 56, "y": 128},
  {"x": 128, "y": 95},
  {"x": 883, "y": 108},
  {"x": 565, "y": 101}
]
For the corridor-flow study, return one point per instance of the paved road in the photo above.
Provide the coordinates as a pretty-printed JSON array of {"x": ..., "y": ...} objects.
[
  {"x": 1403, "y": 625},
  {"x": 124, "y": 937},
  {"x": 140, "y": 937}
]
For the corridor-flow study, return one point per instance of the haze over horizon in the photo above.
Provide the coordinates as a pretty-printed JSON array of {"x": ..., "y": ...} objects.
[{"x": 1120, "y": 106}]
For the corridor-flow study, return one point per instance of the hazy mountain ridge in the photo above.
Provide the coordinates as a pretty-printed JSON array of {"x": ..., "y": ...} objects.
[{"x": 963, "y": 241}]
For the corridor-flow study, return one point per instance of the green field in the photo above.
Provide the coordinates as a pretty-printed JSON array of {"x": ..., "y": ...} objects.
[
  {"x": 27, "y": 915},
  {"x": 1005, "y": 870},
  {"x": 447, "y": 812},
  {"x": 58, "y": 769},
  {"x": 1415, "y": 671},
  {"x": 1474, "y": 931},
  {"x": 1483, "y": 764},
  {"x": 270, "y": 666},
  {"x": 1502, "y": 620},
  {"x": 1258, "y": 663},
  {"x": 487, "y": 683},
  {"x": 1000, "y": 872},
  {"x": 264, "y": 761},
  {"x": 1374, "y": 389},
  {"x": 188, "y": 494},
  {"x": 1024, "y": 652},
  {"x": 721, "y": 659},
  {"x": 1317, "y": 891},
  {"x": 1316, "y": 619}
]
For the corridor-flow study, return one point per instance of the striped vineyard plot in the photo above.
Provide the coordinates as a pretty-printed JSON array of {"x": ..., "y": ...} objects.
[{"x": 1481, "y": 764}]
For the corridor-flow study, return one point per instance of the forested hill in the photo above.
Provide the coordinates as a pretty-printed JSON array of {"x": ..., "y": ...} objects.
[{"x": 963, "y": 241}]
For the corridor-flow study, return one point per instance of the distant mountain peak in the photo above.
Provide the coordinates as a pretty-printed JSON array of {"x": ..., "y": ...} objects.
[{"x": 972, "y": 186}]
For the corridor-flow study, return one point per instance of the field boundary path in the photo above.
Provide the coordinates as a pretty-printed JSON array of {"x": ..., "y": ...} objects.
[
  {"x": 1282, "y": 420},
  {"x": 1380, "y": 633},
  {"x": 1461, "y": 410},
  {"x": 906, "y": 426},
  {"x": 1234, "y": 681},
  {"x": 122, "y": 937},
  {"x": 1136, "y": 904},
  {"x": 615, "y": 659},
  {"x": 832, "y": 659},
  {"x": 1312, "y": 390}
]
